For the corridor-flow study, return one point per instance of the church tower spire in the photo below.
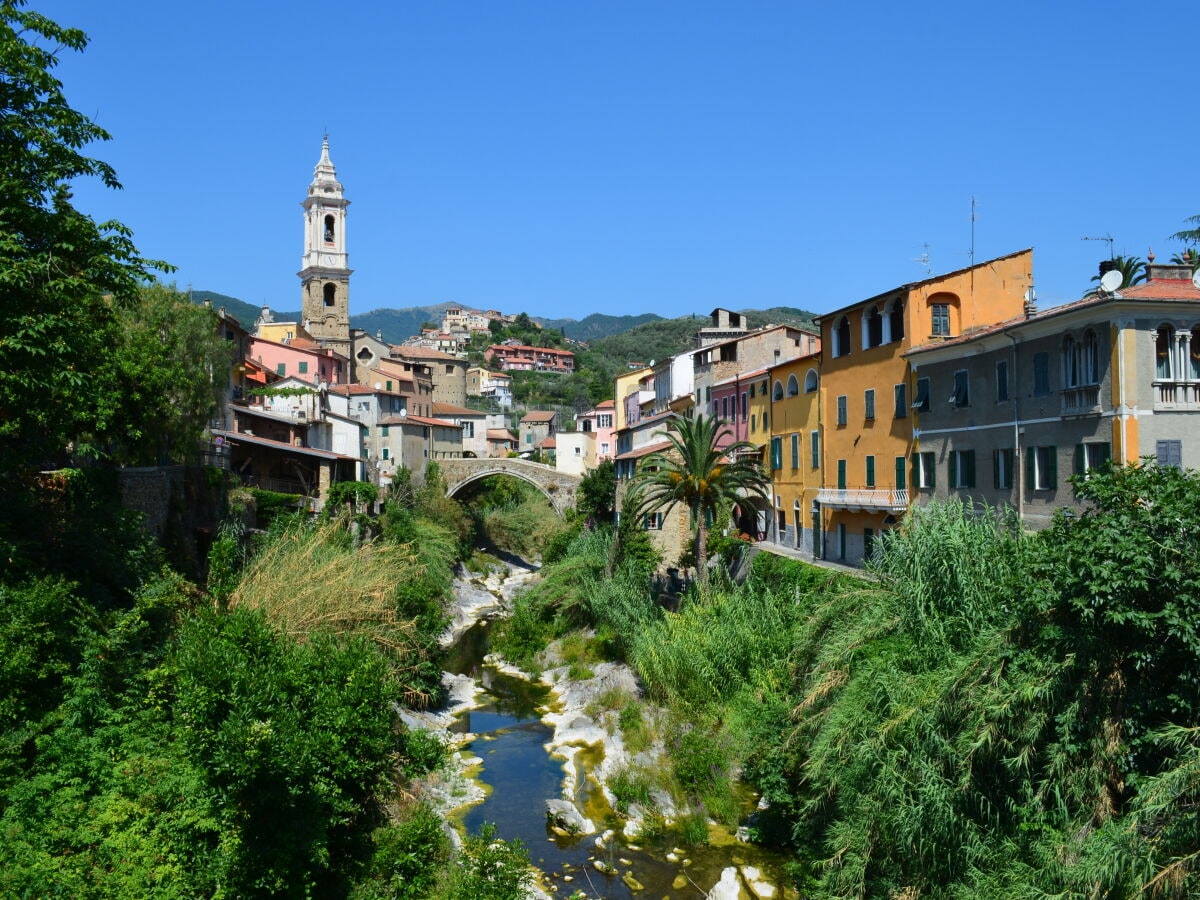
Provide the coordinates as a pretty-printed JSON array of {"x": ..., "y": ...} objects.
[{"x": 325, "y": 268}]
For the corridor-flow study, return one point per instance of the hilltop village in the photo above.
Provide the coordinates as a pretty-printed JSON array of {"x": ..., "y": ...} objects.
[{"x": 953, "y": 386}]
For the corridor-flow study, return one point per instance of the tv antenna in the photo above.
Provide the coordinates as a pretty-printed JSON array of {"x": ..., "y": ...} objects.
[
  {"x": 1107, "y": 237},
  {"x": 923, "y": 259},
  {"x": 972, "y": 251}
]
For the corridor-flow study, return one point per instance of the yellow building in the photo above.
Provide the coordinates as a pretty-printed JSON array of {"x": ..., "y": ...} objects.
[
  {"x": 872, "y": 399},
  {"x": 794, "y": 459}
]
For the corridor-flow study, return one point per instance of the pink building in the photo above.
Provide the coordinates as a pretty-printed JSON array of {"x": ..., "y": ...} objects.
[
  {"x": 730, "y": 403},
  {"x": 599, "y": 421},
  {"x": 308, "y": 363}
]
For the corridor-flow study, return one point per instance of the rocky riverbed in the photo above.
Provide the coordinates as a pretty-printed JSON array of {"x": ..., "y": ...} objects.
[{"x": 581, "y": 732}]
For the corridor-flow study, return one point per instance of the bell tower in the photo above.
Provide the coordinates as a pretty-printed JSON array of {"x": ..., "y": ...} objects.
[{"x": 325, "y": 268}]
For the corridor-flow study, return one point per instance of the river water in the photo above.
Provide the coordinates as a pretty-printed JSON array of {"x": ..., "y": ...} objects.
[{"x": 520, "y": 775}]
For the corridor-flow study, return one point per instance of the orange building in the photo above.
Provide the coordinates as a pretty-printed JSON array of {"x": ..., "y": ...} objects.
[
  {"x": 794, "y": 460},
  {"x": 872, "y": 397}
]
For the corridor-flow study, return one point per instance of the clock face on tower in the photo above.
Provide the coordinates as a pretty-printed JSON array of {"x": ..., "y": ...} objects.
[{"x": 327, "y": 259}]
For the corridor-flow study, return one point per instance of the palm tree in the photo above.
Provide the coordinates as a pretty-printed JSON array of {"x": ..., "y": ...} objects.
[
  {"x": 699, "y": 473},
  {"x": 1132, "y": 269},
  {"x": 1189, "y": 235},
  {"x": 1188, "y": 257}
]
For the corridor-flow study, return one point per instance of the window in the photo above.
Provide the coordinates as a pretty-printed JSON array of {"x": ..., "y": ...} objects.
[
  {"x": 869, "y": 403},
  {"x": 383, "y": 430},
  {"x": 901, "y": 473},
  {"x": 765, "y": 424},
  {"x": 329, "y": 229},
  {"x": 604, "y": 449},
  {"x": 754, "y": 423},
  {"x": 872, "y": 328},
  {"x": 777, "y": 394},
  {"x": 896, "y": 319},
  {"x": 870, "y": 471},
  {"x": 725, "y": 408},
  {"x": 796, "y": 451},
  {"x": 841, "y": 337},
  {"x": 604, "y": 421},
  {"x": 329, "y": 293},
  {"x": 841, "y": 532},
  {"x": 1002, "y": 468},
  {"x": 302, "y": 367},
  {"x": 1169, "y": 453},
  {"x": 810, "y": 381},
  {"x": 962, "y": 468},
  {"x": 962, "y": 388},
  {"x": 793, "y": 386},
  {"x": 841, "y": 469},
  {"x": 1041, "y": 468},
  {"x": 744, "y": 409},
  {"x": 468, "y": 429},
  {"x": 923, "y": 470},
  {"x": 1041, "y": 374},
  {"x": 843, "y": 415},
  {"x": 814, "y": 448},
  {"x": 1002, "y": 381},
  {"x": 1091, "y": 456},
  {"x": 941, "y": 319},
  {"x": 921, "y": 401},
  {"x": 776, "y": 453},
  {"x": 386, "y": 453},
  {"x": 653, "y": 521},
  {"x": 389, "y": 385},
  {"x": 900, "y": 395}
]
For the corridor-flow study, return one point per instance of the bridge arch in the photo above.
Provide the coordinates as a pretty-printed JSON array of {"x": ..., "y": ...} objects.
[{"x": 557, "y": 487}]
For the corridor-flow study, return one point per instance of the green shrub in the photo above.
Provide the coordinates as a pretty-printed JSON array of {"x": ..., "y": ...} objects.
[
  {"x": 630, "y": 786},
  {"x": 409, "y": 858},
  {"x": 692, "y": 828}
]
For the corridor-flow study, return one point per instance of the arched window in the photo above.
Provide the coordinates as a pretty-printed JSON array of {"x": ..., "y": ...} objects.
[
  {"x": 841, "y": 337},
  {"x": 810, "y": 381},
  {"x": 1091, "y": 358},
  {"x": 895, "y": 320},
  {"x": 1164, "y": 355},
  {"x": 793, "y": 387},
  {"x": 329, "y": 229},
  {"x": 872, "y": 328},
  {"x": 1071, "y": 359},
  {"x": 330, "y": 293},
  {"x": 777, "y": 391}
]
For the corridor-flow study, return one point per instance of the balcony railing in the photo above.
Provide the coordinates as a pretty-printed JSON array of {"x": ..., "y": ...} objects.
[
  {"x": 1077, "y": 401},
  {"x": 890, "y": 499},
  {"x": 1177, "y": 396}
]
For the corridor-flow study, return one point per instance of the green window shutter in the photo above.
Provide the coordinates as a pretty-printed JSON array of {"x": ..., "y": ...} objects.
[
  {"x": 1030, "y": 453},
  {"x": 796, "y": 451},
  {"x": 901, "y": 468},
  {"x": 1052, "y": 481},
  {"x": 1105, "y": 453},
  {"x": 969, "y": 460},
  {"x": 841, "y": 474},
  {"x": 932, "y": 461},
  {"x": 1080, "y": 459},
  {"x": 776, "y": 453},
  {"x": 281, "y": 369},
  {"x": 952, "y": 463},
  {"x": 870, "y": 471}
]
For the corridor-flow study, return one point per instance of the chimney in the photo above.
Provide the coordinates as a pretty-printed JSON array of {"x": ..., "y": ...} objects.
[{"x": 1169, "y": 271}]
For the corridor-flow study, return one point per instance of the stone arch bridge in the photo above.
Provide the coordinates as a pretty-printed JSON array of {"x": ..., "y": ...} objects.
[{"x": 558, "y": 487}]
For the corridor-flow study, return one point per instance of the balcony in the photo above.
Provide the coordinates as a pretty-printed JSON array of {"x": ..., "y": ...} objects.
[
  {"x": 1177, "y": 396},
  {"x": 885, "y": 499},
  {"x": 1081, "y": 401}
]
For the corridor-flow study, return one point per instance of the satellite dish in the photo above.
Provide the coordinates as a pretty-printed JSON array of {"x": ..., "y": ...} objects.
[
  {"x": 404, "y": 412},
  {"x": 1111, "y": 280},
  {"x": 1196, "y": 279},
  {"x": 1030, "y": 295},
  {"x": 378, "y": 386}
]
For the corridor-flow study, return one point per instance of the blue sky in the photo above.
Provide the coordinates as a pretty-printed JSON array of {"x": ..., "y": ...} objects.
[{"x": 565, "y": 157}]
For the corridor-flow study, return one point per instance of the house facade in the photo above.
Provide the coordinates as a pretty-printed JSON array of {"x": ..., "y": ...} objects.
[
  {"x": 872, "y": 401},
  {"x": 1017, "y": 408}
]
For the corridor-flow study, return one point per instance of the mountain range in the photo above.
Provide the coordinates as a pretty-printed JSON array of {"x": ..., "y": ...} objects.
[{"x": 394, "y": 325}]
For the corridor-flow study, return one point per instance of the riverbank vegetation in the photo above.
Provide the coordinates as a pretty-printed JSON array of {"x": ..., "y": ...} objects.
[{"x": 991, "y": 714}]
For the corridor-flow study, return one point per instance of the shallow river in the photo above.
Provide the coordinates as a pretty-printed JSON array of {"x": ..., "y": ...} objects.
[{"x": 520, "y": 775}]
